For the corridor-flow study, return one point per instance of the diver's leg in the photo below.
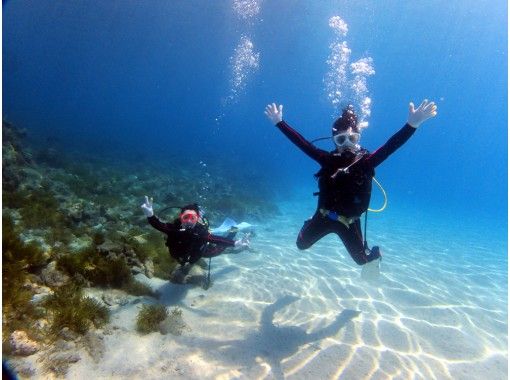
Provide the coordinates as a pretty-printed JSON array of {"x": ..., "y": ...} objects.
[
  {"x": 372, "y": 254},
  {"x": 353, "y": 241},
  {"x": 313, "y": 230},
  {"x": 213, "y": 250}
]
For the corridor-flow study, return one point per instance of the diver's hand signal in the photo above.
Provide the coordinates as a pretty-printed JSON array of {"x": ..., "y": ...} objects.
[
  {"x": 425, "y": 111},
  {"x": 147, "y": 207},
  {"x": 274, "y": 113}
]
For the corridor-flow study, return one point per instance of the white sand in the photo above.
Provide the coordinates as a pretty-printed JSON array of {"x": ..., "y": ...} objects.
[{"x": 281, "y": 312}]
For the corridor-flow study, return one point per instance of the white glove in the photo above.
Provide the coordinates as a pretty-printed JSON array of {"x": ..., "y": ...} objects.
[
  {"x": 425, "y": 111},
  {"x": 243, "y": 243},
  {"x": 147, "y": 207},
  {"x": 275, "y": 114}
]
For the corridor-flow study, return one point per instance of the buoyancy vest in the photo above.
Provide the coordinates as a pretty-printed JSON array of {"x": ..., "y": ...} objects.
[
  {"x": 348, "y": 192},
  {"x": 187, "y": 245}
]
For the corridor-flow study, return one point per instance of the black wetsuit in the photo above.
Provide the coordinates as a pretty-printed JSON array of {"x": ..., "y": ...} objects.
[
  {"x": 343, "y": 193},
  {"x": 189, "y": 245}
]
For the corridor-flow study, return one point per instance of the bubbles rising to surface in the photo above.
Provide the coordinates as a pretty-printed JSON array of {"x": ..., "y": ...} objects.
[
  {"x": 244, "y": 62},
  {"x": 245, "y": 59},
  {"x": 339, "y": 26},
  {"x": 363, "y": 66},
  {"x": 346, "y": 82},
  {"x": 362, "y": 69},
  {"x": 336, "y": 77},
  {"x": 246, "y": 8}
]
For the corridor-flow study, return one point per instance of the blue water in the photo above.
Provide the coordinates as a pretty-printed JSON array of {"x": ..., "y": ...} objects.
[
  {"x": 119, "y": 76},
  {"x": 126, "y": 79}
]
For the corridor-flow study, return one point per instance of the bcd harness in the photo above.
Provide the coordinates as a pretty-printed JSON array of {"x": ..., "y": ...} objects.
[
  {"x": 347, "y": 221},
  {"x": 204, "y": 223}
]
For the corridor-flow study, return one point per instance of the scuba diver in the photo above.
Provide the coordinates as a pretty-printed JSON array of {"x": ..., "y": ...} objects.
[
  {"x": 188, "y": 237},
  {"x": 345, "y": 177}
]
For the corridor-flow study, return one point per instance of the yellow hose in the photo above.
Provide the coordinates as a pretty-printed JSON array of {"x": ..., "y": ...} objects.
[{"x": 385, "y": 197}]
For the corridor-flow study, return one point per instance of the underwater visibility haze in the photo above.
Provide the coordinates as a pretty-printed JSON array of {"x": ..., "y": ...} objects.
[{"x": 105, "y": 102}]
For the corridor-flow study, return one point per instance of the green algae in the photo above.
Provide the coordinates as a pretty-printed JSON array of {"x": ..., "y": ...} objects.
[
  {"x": 149, "y": 318},
  {"x": 96, "y": 268},
  {"x": 136, "y": 288},
  {"x": 152, "y": 246},
  {"x": 39, "y": 196},
  {"x": 67, "y": 307},
  {"x": 41, "y": 209},
  {"x": 102, "y": 271},
  {"x": 19, "y": 260}
]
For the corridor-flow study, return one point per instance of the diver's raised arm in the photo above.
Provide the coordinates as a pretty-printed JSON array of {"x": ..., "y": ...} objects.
[
  {"x": 153, "y": 219},
  {"x": 275, "y": 115},
  {"x": 425, "y": 111},
  {"x": 416, "y": 117},
  {"x": 147, "y": 207}
]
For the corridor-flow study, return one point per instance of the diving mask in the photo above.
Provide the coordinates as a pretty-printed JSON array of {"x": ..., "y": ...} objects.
[
  {"x": 348, "y": 139},
  {"x": 189, "y": 219}
]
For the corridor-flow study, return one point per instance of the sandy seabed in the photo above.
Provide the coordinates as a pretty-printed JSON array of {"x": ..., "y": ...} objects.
[{"x": 437, "y": 311}]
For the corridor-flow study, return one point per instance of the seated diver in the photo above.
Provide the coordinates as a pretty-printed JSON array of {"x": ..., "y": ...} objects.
[
  {"x": 345, "y": 177},
  {"x": 189, "y": 239}
]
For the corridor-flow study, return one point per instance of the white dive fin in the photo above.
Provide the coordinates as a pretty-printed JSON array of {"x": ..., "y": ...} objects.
[
  {"x": 228, "y": 224},
  {"x": 371, "y": 271},
  {"x": 245, "y": 227},
  {"x": 225, "y": 226}
]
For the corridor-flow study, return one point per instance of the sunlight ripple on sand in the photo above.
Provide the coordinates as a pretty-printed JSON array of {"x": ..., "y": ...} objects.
[{"x": 279, "y": 312}]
